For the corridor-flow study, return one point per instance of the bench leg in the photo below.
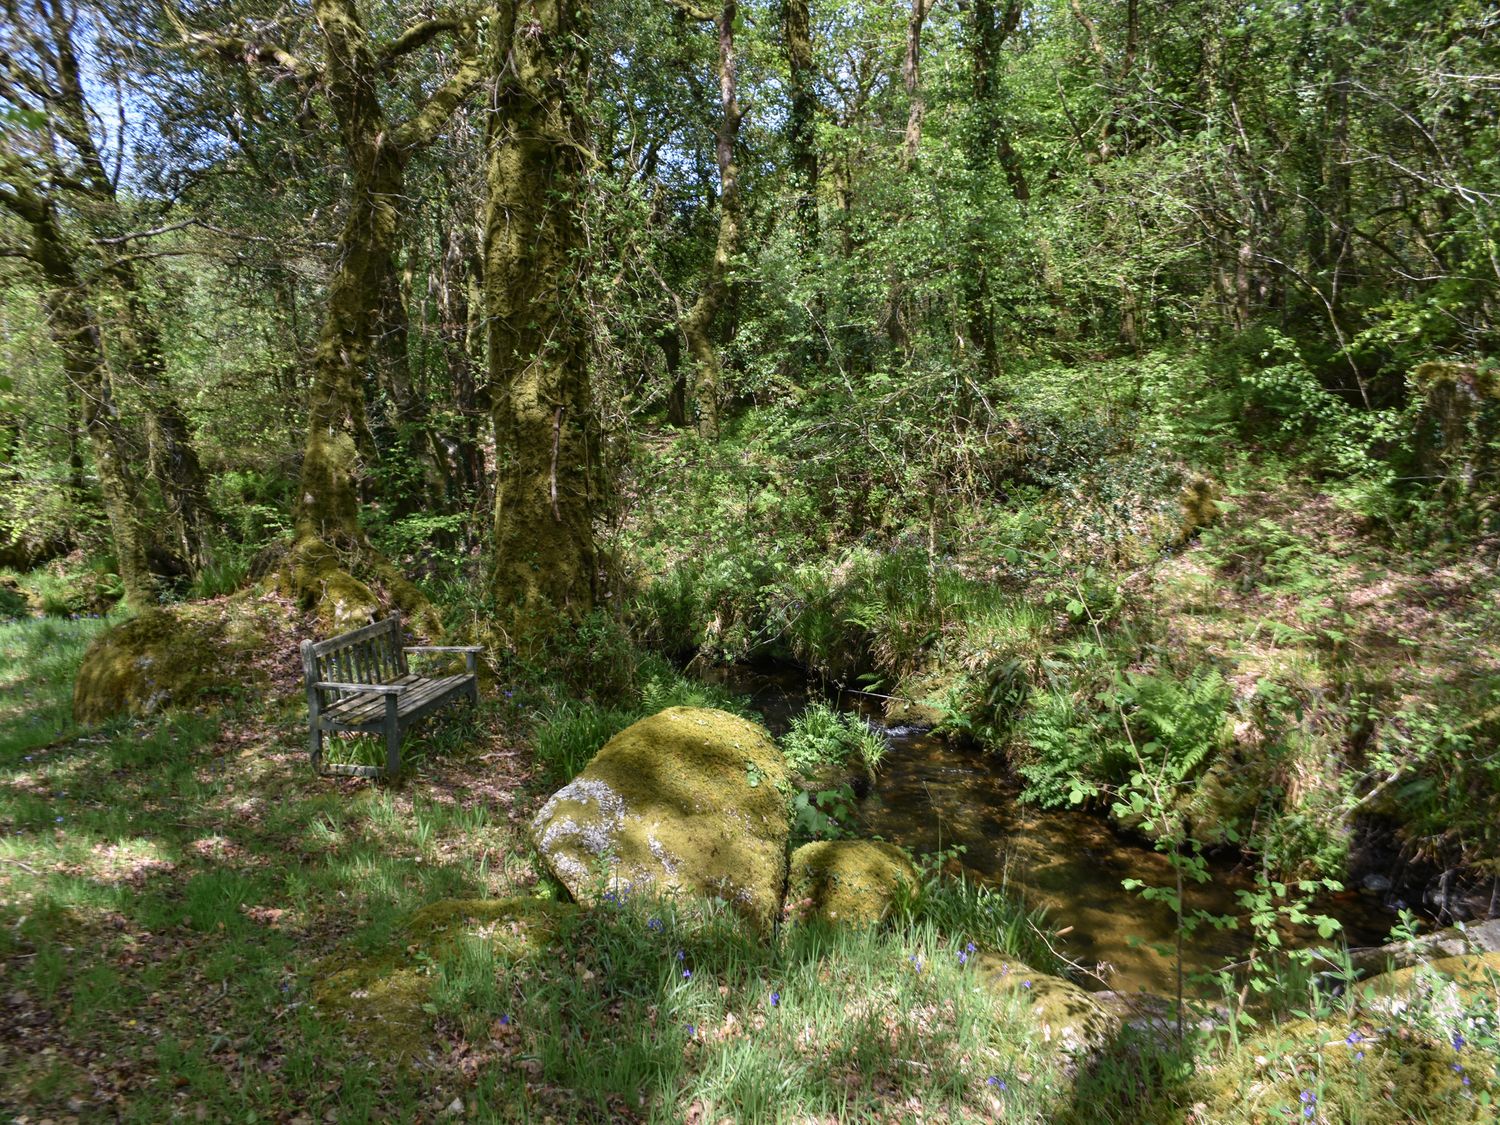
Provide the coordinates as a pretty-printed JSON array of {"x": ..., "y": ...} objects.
[
  {"x": 392, "y": 738},
  {"x": 315, "y": 746}
]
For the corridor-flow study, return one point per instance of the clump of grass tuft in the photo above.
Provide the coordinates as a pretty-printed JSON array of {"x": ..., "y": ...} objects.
[{"x": 821, "y": 736}]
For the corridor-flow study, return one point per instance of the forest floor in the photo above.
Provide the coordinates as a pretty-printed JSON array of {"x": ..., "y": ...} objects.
[{"x": 177, "y": 893}]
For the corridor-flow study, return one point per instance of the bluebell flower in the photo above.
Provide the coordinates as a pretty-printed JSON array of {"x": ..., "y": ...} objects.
[
  {"x": 1308, "y": 1096},
  {"x": 1358, "y": 1055},
  {"x": 505, "y": 1020},
  {"x": 970, "y": 948},
  {"x": 692, "y": 1030},
  {"x": 654, "y": 924},
  {"x": 963, "y": 958},
  {"x": 1352, "y": 1038},
  {"x": 1459, "y": 1042},
  {"x": 687, "y": 974},
  {"x": 1025, "y": 984},
  {"x": 999, "y": 1083},
  {"x": 775, "y": 999},
  {"x": 917, "y": 961},
  {"x": 680, "y": 955}
]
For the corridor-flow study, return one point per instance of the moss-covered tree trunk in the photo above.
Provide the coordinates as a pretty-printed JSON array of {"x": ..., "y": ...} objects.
[
  {"x": 537, "y": 144},
  {"x": 697, "y": 323},
  {"x": 74, "y": 327},
  {"x": 988, "y": 29},
  {"x": 172, "y": 456},
  {"x": 330, "y": 555},
  {"x": 801, "y": 126}
]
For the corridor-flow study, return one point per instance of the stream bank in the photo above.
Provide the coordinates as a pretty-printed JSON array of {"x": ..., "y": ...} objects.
[{"x": 931, "y": 794}]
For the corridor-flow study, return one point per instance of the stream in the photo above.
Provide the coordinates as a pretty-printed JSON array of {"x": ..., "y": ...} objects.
[{"x": 931, "y": 793}]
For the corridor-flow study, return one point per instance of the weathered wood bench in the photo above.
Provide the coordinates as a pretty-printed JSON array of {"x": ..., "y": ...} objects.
[{"x": 359, "y": 681}]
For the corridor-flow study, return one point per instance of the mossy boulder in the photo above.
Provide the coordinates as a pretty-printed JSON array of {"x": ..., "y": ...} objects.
[
  {"x": 174, "y": 656},
  {"x": 384, "y": 997},
  {"x": 688, "y": 801},
  {"x": 1456, "y": 941},
  {"x": 921, "y": 699},
  {"x": 1066, "y": 1014},
  {"x": 1446, "y": 982},
  {"x": 1325, "y": 1071},
  {"x": 848, "y": 881}
]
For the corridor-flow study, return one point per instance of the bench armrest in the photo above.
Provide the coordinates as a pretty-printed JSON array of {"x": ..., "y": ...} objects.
[{"x": 383, "y": 689}]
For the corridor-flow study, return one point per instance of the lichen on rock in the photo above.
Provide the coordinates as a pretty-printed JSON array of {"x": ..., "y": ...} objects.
[
  {"x": 856, "y": 882},
  {"x": 687, "y": 801}
]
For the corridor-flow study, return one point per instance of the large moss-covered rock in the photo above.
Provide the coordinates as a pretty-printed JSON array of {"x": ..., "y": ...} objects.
[
  {"x": 688, "y": 801},
  {"x": 1450, "y": 981},
  {"x": 383, "y": 997},
  {"x": 851, "y": 881},
  {"x": 1065, "y": 1013},
  {"x": 175, "y": 655},
  {"x": 1456, "y": 941}
]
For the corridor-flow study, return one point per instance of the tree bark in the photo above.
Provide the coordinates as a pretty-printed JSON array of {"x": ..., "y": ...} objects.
[
  {"x": 801, "y": 130},
  {"x": 74, "y": 327},
  {"x": 697, "y": 324},
  {"x": 536, "y": 154},
  {"x": 988, "y": 31}
]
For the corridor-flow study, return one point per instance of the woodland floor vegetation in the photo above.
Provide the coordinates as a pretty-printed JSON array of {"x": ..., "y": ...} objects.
[{"x": 1108, "y": 389}]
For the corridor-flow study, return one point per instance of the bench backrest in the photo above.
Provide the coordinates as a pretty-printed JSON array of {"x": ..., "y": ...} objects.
[{"x": 368, "y": 655}]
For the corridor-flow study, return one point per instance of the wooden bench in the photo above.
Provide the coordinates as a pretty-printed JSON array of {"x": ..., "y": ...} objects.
[{"x": 360, "y": 682}]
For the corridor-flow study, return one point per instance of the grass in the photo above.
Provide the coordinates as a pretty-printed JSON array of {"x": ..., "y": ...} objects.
[{"x": 174, "y": 891}]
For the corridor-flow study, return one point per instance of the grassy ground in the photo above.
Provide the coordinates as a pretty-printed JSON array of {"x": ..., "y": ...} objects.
[{"x": 176, "y": 895}]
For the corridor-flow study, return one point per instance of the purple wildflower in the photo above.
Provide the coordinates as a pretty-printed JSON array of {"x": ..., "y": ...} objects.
[{"x": 775, "y": 999}]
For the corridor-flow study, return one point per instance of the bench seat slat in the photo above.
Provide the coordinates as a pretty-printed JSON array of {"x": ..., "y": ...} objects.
[{"x": 368, "y": 709}]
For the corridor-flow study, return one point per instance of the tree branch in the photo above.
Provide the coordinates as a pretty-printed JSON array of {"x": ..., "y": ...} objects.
[{"x": 418, "y": 35}]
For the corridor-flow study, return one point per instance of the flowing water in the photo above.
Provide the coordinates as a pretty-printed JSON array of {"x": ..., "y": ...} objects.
[{"x": 930, "y": 794}]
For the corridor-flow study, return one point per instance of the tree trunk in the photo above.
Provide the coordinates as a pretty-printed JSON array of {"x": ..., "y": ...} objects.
[
  {"x": 536, "y": 156},
  {"x": 911, "y": 75},
  {"x": 172, "y": 456},
  {"x": 987, "y": 34},
  {"x": 75, "y": 329},
  {"x": 697, "y": 324},
  {"x": 801, "y": 129}
]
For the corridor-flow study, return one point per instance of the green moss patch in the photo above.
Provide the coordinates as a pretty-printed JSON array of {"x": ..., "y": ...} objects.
[
  {"x": 690, "y": 800},
  {"x": 849, "y": 881},
  {"x": 175, "y": 656},
  {"x": 1064, "y": 1012},
  {"x": 384, "y": 998}
]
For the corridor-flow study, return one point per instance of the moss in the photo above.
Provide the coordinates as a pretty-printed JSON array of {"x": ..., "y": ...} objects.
[
  {"x": 851, "y": 881},
  {"x": 1199, "y": 501},
  {"x": 922, "y": 699},
  {"x": 316, "y": 579},
  {"x": 1403, "y": 1076},
  {"x": 175, "y": 656},
  {"x": 383, "y": 998},
  {"x": 1065, "y": 1013},
  {"x": 689, "y": 800},
  {"x": 1462, "y": 978}
]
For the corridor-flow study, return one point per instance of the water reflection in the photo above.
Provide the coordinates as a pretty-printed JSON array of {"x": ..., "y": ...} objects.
[{"x": 932, "y": 795}]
